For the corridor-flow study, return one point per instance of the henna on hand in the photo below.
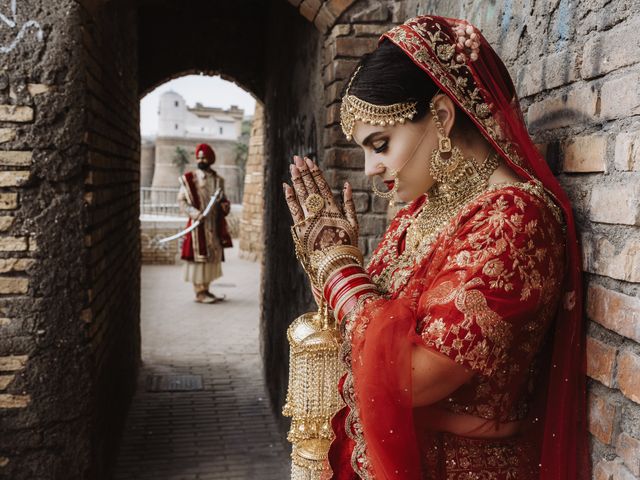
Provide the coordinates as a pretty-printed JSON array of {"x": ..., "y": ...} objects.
[{"x": 325, "y": 225}]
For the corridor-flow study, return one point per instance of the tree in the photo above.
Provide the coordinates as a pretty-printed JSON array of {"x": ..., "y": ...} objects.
[
  {"x": 180, "y": 159},
  {"x": 241, "y": 151}
]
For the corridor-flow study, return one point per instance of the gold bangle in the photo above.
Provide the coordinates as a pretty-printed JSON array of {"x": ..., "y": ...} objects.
[
  {"x": 320, "y": 257},
  {"x": 320, "y": 260},
  {"x": 321, "y": 275},
  {"x": 346, "y": 323},
  {"x": 330, "y": 260}
]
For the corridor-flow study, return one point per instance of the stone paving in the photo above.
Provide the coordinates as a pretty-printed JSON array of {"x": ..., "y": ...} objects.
[{"x": 225, "y": 430}]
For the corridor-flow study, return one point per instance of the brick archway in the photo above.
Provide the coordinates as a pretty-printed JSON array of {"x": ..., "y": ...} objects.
[
  {"x": 69, "y": 151},
  {"x": 70, "y": 249}
]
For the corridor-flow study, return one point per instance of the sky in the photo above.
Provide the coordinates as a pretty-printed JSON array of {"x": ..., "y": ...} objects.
[{"x": 210, "y": 91}]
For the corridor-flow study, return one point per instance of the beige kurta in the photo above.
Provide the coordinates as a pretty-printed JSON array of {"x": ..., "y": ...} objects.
[{"x": 206, "y": 270}]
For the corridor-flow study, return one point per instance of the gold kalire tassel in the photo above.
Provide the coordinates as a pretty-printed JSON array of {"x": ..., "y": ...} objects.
[{"x": 312, "y": 397}]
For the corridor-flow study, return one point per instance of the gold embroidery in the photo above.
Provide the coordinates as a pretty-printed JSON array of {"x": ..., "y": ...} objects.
[
  {"x": 475, "y": 459},
  {"x": 353, "y": 427},
  {"x": 483, "y": 339},
  {"x": 400, "y": 267},
  {"x": 478, "y": 250}
]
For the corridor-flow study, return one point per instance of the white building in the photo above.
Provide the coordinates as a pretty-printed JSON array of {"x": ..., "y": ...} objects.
[{"x": 176, "y": 119}]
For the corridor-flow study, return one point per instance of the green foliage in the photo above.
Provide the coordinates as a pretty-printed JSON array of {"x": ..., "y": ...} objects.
[{"x": 180, "y": 159}]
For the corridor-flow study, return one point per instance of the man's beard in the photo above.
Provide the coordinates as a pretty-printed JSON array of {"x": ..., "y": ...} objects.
[{"x": 203, "y": 165}]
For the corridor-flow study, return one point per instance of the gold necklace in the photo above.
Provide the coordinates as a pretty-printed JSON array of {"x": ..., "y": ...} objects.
[{"x": 444, "y": 201}]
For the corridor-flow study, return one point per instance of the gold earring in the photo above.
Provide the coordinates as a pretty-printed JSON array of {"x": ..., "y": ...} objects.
[{"x": 445, "y": 170}]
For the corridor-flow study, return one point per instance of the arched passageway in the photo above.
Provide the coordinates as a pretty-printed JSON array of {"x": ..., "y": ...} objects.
[
  {"x": 83, "y": 75},
  {"x": 73, "y": 74}
]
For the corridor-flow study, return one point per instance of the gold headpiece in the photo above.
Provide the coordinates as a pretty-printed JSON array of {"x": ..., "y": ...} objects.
[{"x": 354, "y": 109}]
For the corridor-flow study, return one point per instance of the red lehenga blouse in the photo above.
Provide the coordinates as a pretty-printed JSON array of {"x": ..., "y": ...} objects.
[
  {"x": 483, "y": 294},
  {"x": 497, "y": 290}
]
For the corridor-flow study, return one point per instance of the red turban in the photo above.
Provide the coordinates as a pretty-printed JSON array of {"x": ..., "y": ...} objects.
[{"x": 209, "y": 154}]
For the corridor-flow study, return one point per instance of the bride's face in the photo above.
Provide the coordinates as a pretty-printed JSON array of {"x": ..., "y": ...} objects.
[{"x": 405, "y": 147}]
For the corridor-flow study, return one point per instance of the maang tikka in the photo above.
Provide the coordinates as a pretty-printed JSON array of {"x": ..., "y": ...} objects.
[{"x": 354, "y": 109}]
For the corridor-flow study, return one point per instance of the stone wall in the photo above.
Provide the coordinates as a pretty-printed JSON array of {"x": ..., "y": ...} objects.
[
  {"x": 70, "y": 153},
  {"x": 44, "y": 385},
  {"x": 147, "y": 162},
  {"x": 252, "y": 222}
]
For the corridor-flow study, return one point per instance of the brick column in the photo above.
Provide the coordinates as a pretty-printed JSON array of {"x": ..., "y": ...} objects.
[{"x": 252, "y": 221}]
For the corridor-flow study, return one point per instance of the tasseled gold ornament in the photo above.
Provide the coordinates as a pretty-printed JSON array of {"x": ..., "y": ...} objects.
[{"x": 312, "y": 396}]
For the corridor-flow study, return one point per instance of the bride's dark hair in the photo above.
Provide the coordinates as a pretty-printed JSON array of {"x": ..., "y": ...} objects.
[{"x": 387, "y": 75}]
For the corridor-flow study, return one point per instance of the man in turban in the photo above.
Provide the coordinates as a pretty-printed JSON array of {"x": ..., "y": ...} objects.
[{"x": 202, "y": 248}]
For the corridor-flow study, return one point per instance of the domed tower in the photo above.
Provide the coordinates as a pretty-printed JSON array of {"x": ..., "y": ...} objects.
[
  {"x": 172, "y": 110},
  {"x": 172, "y": 119}
]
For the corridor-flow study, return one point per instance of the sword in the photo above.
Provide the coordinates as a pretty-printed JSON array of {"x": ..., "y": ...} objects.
[{"x": 194, "y": 225}]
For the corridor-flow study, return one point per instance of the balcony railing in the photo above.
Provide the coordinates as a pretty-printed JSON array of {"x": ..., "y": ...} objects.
[{"x": 159, "y": 201}]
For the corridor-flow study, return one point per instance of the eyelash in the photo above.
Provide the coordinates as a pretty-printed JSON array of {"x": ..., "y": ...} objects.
[{"x": 381, "y": 148}]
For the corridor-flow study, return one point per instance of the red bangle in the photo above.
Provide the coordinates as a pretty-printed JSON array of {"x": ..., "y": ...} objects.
[
  {"x": 352, "y": 280},
  {"x": 347, "y": 307},
  {"x": 350, "y": 284},
  {"x": 345, "y": 296},
  {"x": 339, "y": 275}
]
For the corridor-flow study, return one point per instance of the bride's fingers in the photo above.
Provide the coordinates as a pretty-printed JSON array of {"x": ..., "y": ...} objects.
[
  {"x": 298, "y": 185},
  {"x": 305, "y": 173},
  {"x": 322, "y": 184},
  {"x": 293, "y": 204},
  {"x": 349, "y": 206}
]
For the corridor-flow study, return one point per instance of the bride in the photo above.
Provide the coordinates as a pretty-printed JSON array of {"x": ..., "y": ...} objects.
[{"x": 462, "y": 337}]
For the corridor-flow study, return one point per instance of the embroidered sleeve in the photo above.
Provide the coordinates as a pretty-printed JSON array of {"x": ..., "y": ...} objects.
[{"x": 491, "y": 301}]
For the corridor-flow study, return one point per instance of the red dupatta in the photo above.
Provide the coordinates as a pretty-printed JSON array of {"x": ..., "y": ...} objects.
[{"x": 479, "y": 83}]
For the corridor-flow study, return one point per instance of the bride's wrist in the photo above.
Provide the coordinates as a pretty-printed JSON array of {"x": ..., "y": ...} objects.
[{"x": 344, "y": 287}]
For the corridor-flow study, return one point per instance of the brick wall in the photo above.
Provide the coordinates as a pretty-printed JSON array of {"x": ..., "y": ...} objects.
[
  {"x": 252, "y": 221},
  {"x": 154, "y": 253},
  {"x": 112, "y": 231},
  {"x": 577, "y": 74}
]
